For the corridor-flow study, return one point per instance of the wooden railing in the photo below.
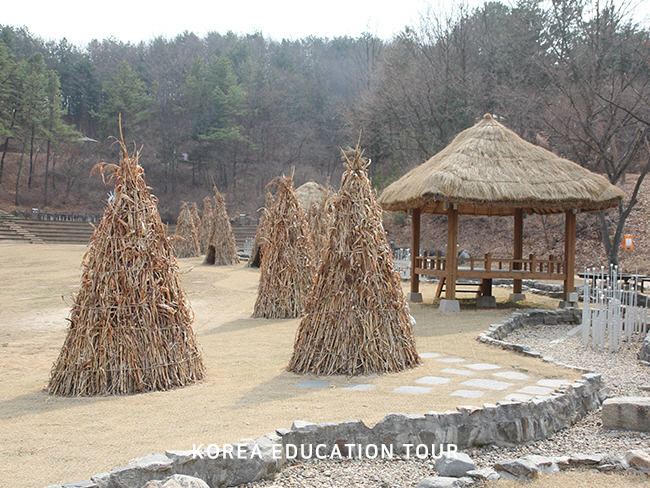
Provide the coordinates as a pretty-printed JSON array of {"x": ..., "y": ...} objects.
[{"x": 489, "y": 267}]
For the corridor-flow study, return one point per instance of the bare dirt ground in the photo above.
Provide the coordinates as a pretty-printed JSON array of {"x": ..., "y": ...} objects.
[{"x": 247, "y": 393}]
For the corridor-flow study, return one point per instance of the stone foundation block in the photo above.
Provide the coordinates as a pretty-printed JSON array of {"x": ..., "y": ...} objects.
[{"x": 629, "y": 413}]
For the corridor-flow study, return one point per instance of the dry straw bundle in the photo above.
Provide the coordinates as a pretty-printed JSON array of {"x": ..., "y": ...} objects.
[
  {"x": 186, "y": 236},
  {"x": 356, "y": 320},
  {"x": 130, "y": 326},
  {"x": 221, "y": 248},
  {"x": 206, "y": 224},
  {"x": 255, "y": 259},
  {"x": 318, "y": 217},
  {"x": 194, "y": 209},
  {"x": 287, "y": 267}
]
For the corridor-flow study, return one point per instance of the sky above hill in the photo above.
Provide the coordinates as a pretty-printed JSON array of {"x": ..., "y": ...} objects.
[{"x": 137, "y": 20}]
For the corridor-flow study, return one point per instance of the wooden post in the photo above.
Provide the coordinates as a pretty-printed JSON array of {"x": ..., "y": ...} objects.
[
  {"x": 415, "y": 250},
  {"x": 452, "y": 252},
  {"x": 518, "y": 251},
  {"x": 569, "y": 252}
]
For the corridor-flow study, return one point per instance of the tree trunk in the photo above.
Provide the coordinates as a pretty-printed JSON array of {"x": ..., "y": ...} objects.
[
  {"x": 2, "y": 160},
  {"x": 20, "y": 170},
  {"x": 31, "y": 158},
  {"x": 47, "y": 167}
]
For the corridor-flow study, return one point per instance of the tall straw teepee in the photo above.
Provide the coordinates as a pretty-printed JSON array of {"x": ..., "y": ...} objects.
[
  {"x": 206, "y": 224},
  {"x": 130, "y": 325},
  {"x": 194, "y": 210},
  {"x": 287, "y": 266},
  {"x": 221, "y": 247},
  {"x": 255, "y": 259},
  {"x": 356, "y": 320},
  {"x": 186, "y": 237}
]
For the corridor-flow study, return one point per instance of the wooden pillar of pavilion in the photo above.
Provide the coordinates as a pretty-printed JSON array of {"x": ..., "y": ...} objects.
[
  {"x": 518, "y": 253},
  {"x": 569, "y": 253},
  {"x": 450, "y": 304},
  {"x": 415, "y": 295}
]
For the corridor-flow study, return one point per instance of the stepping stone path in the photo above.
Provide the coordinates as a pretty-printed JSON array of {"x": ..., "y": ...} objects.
[
  {"x": 482, "y": 366},
  {"x": 468, "y": 393},
  {"x": 359, "y": 387},
  {"x": 427, "y": 355},
  {"x": 487, "y": 384},
  {"x": 536, "y": 390},
  {"x": 458, "y": 371},
  {"x": 476, "y": 387},
  {"x": 511, "y": 375},
  {"x": 433, "y": 380}
]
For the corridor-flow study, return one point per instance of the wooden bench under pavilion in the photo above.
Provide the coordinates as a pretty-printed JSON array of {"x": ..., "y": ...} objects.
[{"x": 488, "y": 170}]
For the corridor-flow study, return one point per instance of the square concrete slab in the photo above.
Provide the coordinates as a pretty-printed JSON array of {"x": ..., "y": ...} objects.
[
  {"x": 359, "y": 387},
  {"x": 463, "y": 372},
  {"x": 433, "y": 380},
  {"x": 535, "y": 390},
  {"x": 518, "y": 397},
  {"x": 554, "y": 383},
  {"x": 413, "y": 390},
  {"x": 468, "y": 393},
  {"x": 512, "y": 375},
  {"x": 429, "y": 355},
  {"x": 487, "y": 384},
  {"x": 451, "y": 360},
  {"x": 313, "y": 384},
  {"x": 482, "y": 366}
]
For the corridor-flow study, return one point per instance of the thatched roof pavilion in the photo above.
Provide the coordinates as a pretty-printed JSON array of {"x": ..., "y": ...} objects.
[
  {"x": 489, "y": 170},
  {"x": 310, "y": 193}
]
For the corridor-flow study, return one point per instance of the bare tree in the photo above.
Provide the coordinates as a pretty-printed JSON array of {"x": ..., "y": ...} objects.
[{"x": 597, "y": 98}]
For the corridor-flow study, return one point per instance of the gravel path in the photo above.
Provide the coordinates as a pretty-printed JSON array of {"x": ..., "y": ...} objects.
[{"x": 621, "y": 372}]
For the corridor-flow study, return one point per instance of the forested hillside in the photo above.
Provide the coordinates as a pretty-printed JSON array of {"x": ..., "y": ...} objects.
[{"x": 237, "y": 110}]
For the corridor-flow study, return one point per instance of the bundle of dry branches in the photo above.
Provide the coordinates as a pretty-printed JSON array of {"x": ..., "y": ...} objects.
[
  {"x": 318, "y": 219},
  {"x": 206, "y": 224},
  {"x": 287, "y": 267},
  {"x": 255, "y": 259},
  {"x": 130, "y": 326},
  {"x": 221, "y": 248},
  {"x": 356, "y": 320},
  {"x": 194, "y": 209},
  {"x": 186, "y": 236}
]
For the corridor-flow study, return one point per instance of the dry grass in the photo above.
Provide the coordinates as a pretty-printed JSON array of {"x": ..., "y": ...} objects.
[
  {"x": 356, "y": 320},
  {"x": 577, "y": 479},
  {"x": 288, "y": 257},
  {"x": 130, "y": 326}
]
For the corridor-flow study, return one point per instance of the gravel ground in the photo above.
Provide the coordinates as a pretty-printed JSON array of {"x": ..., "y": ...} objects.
[{"x": 621, "y": 371}]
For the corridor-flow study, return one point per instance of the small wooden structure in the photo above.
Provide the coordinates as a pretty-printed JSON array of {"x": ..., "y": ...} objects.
[{"x": 488, "y": 170}]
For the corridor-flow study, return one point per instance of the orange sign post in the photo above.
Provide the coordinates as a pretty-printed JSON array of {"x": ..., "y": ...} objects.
[{"x": 628, "y": 243}]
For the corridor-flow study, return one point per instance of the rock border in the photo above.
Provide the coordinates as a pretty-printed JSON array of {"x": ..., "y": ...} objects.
[{"x": 503, "y": 424}]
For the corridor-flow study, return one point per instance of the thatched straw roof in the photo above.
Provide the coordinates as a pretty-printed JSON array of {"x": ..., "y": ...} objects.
[
  {"x": 309, "y": 194},
  {"x": 489, "y": 170}
]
